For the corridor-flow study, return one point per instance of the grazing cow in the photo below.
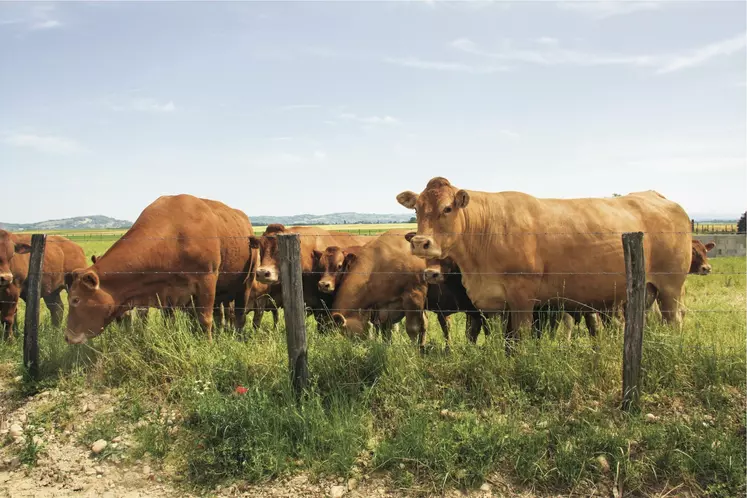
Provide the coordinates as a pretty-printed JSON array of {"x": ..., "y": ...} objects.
[
  {"x": 447, "y": 295},
  {"x": 182, "y": 250},
  {"x": 311, "y": 239},
  {"x": 384, "y": 276},
  {"x": 61, "y": 256},
  {"x": 515, "y": 250},
  {"x": 699, "y": 264}
]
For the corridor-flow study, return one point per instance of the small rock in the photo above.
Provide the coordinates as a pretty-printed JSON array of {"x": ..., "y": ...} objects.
[
  {"x": 352, "y": 484},
  {"x": 85, "y": 408},
  {"x": 14, "y": 463},
  {"x": 337, "y": 491},
  {"x": 99, "y": 470},
  {"x": 89, "y": 471},
  {"x": 603, "y": 463},
  {"x": 98, "y": 446},
  {"x": 147, "y": 471},
  {"x": 16, "y": 430},
  {"x": 650, "y": 418},
  {"x": 485, "y": 487},
  {"x": 117, "y": 439},
  {"x": 22, "y": 418},
  {"x": 18, "y": 440},
  {"x": 444, "y": 412}
]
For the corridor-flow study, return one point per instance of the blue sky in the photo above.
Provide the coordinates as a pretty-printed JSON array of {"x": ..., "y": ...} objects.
[{"x": 282, "y": 108}]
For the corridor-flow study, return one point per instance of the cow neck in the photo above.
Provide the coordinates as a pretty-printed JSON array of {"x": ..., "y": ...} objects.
[
  {"x": 124, "y": 270},
  {"x": 476, "y": 220},
  {"x": 353, "y": 289}
]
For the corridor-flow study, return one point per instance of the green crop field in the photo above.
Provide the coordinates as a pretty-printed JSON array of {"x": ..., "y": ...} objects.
[{"x": 544, "y": 421}]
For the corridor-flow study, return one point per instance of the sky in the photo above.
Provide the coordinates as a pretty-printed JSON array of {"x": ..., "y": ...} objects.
[{"x": 281, "y": 108}]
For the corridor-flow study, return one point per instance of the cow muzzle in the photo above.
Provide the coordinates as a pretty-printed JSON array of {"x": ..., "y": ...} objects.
[
  {"x": 73, "y": 338},
  {"x": 424, "y": 247},
  {"x": 326, "y": 286},
  {"x": 705, "y": 270},
  {"x": 433, "y": 276},
  {"x": 5, "y": 279},
  {"x": 267, "y": 275}
]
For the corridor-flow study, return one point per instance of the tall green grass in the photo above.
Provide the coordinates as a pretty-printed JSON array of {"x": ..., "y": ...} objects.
[{"x": 541, "y": 418}]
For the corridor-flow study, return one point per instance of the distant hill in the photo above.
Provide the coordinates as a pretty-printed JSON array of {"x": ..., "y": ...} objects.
[
  {"x": 332, "y": 219},
  {"x": 78, "y": 223}
]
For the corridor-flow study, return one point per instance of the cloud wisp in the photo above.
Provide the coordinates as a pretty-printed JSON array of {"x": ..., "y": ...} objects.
[
  {"x": 604, "y": 9},
  {"x": 416, "y": 63},
  {"x": 371, "y": 120},
  {"x": 551, "y": 54},
  {"x": 46, "y": 144},
  {"x": 145, "y": 105}
]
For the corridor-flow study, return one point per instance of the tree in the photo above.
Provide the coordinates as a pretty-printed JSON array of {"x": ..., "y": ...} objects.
[
  {"x": 741, "y": 224},
  {"x": 616, "y": 195},
  {"x": 413, "y": 220}
]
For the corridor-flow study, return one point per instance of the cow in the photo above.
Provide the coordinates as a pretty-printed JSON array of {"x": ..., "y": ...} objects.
[
  {"x": 181, "y": 251},
  {"x": 311, "y": 239},
  {"x": 384, "y": 276},
  {"x": 61, "y": 256},
  {"x": 699, "y": 264},
  {"x": 516, "y": 250}
]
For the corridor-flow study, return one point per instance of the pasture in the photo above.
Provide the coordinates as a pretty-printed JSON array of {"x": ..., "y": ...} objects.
[{"x": 543, "y": 421}]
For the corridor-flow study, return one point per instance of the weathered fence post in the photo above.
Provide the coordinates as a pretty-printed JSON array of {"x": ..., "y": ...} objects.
[
  {"x": 289, "y": 246},
  {"x": 33, "y": 297},
  {"x": 635, "y": 308},
  {"x": 692, "y": 226}
]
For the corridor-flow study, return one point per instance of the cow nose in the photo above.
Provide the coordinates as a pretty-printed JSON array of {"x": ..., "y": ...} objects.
[
  {"x": 432, "y": 274},
  {"x": 5, "y": 278},
  {"x": 325, "y": 286},
  {"x": 705, "y": 269},
  {"x": 421, "y": 243}
]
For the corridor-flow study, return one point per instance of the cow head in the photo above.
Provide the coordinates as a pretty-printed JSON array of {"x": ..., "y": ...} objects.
[
  {"x": 353, "y": 325},
  {"x": 440, "y": 213},
  {"x": 334, "y": 263},
  {"x": 9, "y": 248},
  {"x": 700, "y": 264},
  {"x": 91, "y": 307},
  {"x": 268, "y": 271}
]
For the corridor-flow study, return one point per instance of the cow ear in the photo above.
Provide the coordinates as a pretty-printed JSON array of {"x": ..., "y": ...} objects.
[
  {"x": 461, "y": 199},
  {"x": 253, "y": 242},
  {"x": 274, "y": 228},
  {"x": 93, "y": 259},
  {"x": 409, "y": 236},
  {"x": 22, "y": 248},
  {"x": 90, "y": 280},
  {"x": 408, "y": 199},
  {"x": 317, "y": 255},
  {"x": 710, "y": 246},
  {"x": 339, "y": 319},
  {"x": 350, "y": 258},
  {"x": 69, "y": 279}
]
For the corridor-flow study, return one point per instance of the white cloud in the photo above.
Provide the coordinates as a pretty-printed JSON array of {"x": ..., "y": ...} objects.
[
  {"x": 508, "y": 134},
  {"x": 442, "y": 66},
  {"x": 145, "y": 105},
  {"x": 46, "y": 144},
  {"x": 299, "y": 106},
  {"x": 553, "y": 55},
  {"x": 703, "y": 54},
  {"x": 320, "y": 155},
  {"x": 370, "y": 120},
  {"x": 547, "y": 40},
  {"x": 603, "y": 9},
  {"x": 690, "y": 164},
  {"x": 48, "y": 24},
  {"x": 281, "y": 139}
]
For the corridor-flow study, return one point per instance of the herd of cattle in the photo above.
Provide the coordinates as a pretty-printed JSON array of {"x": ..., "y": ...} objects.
[{"x": 522, "y": 259}]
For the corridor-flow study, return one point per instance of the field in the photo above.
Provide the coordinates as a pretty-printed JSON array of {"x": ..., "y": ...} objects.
[{"x": 381, "y": 418}]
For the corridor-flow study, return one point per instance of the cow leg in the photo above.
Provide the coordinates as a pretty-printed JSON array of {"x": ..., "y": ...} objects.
[
  {"x": 473, "y": 326},
  {"x": 56, "y": 309},
  {"x": 521, "y": 314},
  {"x": 415, "y": 325},
  {"x": 670, "y": 309},
  {"x": 204, "y": 303},
  {"x": 445, "y": 322},
  {"x": 591, "y": 323}
]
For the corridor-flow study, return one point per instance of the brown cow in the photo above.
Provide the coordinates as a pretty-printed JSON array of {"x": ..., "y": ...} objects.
[
  {"x": 182, "y": 250},
  {"x": 699, "y": 264},
  {"x": 311, "y": 239},
  {"x": 383, "y": 274},
  {"x": 516, "y": 250},
  {"x": 61, "y": 256}
]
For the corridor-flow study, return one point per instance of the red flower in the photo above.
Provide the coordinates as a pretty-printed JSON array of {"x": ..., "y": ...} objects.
[{"x": 241, "y": 390}]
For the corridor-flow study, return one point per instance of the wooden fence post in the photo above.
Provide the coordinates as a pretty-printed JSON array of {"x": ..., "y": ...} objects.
[
  {"x": 692, "y": 226},
  {"x": 635, "y": 309},
  {"x": 289, "y": 246},
  {"x": 33, "y": 298}
]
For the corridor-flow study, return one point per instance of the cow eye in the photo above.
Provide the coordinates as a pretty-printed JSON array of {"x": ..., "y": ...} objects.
[
  {"x": 447, "y": 209},
  {"x": 75, "y": 301},
  {"x": 339, "y": 266}
]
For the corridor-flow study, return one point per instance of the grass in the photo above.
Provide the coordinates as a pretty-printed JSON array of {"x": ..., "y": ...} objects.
[{"x": 545, "y": 419}]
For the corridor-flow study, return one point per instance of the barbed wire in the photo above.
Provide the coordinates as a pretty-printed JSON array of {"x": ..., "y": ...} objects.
[
  {"x": 415, "y": 272},
  {"x": 377, "y": 234},
  {"x": 386, "y": 309}
]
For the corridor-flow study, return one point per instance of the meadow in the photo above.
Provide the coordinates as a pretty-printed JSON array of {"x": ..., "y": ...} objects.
[{"x": 545, "y": 420}]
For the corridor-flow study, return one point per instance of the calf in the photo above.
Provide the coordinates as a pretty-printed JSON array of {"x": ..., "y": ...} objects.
[{"x": 699, "y": 264}]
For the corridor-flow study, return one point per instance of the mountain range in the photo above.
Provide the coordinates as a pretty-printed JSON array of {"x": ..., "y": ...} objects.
[{"x": 99, "y": 222}]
